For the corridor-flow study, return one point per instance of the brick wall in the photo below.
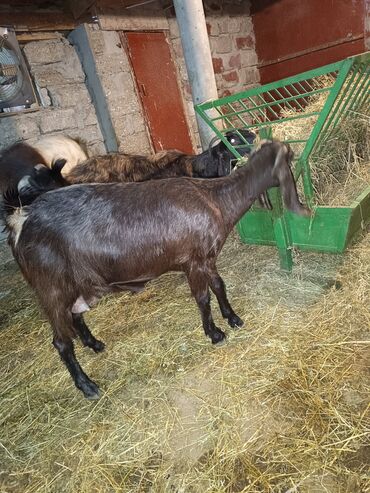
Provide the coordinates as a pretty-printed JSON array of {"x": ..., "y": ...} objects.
[
  {"x": 65, "y": 105},
  {"x": 232, "y": 43}
]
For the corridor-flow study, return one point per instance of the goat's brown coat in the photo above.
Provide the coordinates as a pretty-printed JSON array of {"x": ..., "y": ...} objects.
[
  {"x": 89, "y": 240},
  {"x": 119, "y": 167}
]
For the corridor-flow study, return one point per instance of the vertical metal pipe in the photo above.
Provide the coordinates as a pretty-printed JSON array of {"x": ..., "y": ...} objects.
[{"x": 194, "y": 38}]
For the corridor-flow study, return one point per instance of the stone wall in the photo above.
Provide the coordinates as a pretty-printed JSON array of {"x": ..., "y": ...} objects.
[
  {"x": 117, "y": 80},
  {"x": 233, "y": 50},
  {"x": 65, "y": 100},
  {"x": 65, "y": 104}
]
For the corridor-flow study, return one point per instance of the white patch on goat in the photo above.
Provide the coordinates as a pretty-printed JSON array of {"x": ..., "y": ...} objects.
[
  {"x": 80, "y": 305},
  {"x": 54, "y": 147},
  {"x": 15, "y": 223}
]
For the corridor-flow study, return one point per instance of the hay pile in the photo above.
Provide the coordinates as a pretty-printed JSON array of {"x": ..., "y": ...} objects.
[
  {"x": 282, "y": 407},
  {"x": 340, "y": 169}
]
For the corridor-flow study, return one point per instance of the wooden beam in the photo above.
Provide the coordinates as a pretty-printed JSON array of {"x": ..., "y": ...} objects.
[
  {"x": 26, "y": 37},
  {"x": 79, "y": 7},
  {"x": 122, "y": 4},
  {"x": 34, "y": 3},
  {"x": 41, "y": 21},
  {"x": 125, "y": 22},
  {"x": 114, "y": 16}
]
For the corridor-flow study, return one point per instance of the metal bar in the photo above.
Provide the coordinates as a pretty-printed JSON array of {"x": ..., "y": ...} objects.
[
  {"x": 198, "y": 59},
  {"x": 286, "y": 100},
  {"x": 365, "y": 93},
  {"x": 335, "y": 111},
  {"x": 364, "y": 96},
  {"x": 267, "y": 105},
  {"x": 269, "y": 123},
  {"x": 302, "y": 94},
  {"x": 273, "y": 85},
  {"x": 339, "y": 109},
  {"x": 333, "y": 94},
  {"x": 353, "y": 86},
  {"x": 263, "y": 117},
  {"x": 270, "y": 107},
  {"x": 354, "y": 94},
  {"x": 281, "y": 231},
  {"x": 361, "y": 90},
  {"x": 292, "y": 95},
  {"x": 202, "y": 113}
]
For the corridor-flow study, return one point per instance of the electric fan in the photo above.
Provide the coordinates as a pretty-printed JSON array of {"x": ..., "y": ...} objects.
[{"x": 15, "y": 84}]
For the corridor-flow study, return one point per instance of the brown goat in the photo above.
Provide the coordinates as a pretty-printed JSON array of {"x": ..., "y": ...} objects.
[
  {"x": 78, "y": 243},
  {"x": 119, "y": 167}
]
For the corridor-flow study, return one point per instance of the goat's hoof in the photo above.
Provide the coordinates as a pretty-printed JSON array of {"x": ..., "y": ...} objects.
[
  {"x": 90, "y": 390},
  {"x": 98, "y": 346},
  {"x": 235, "y": 322},
  {"x": 218, "y": 337}
]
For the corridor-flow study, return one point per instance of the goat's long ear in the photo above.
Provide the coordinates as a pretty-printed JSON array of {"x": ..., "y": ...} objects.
[
  {"x": 56, "y": 171},
  {"x": 284, "y": 175},
  {"x": 218, "y": 165},
  {"x": 58, "y": 165}
]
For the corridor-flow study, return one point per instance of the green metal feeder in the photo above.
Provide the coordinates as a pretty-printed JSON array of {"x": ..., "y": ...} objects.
[{"x": 345, "y": 94}]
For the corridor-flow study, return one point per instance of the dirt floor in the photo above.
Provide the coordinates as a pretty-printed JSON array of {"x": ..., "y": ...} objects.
[{"x": 281, "y": 407}]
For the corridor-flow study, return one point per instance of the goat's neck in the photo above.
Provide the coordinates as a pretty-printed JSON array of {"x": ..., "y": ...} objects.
[{"x": 240, "y": 189}]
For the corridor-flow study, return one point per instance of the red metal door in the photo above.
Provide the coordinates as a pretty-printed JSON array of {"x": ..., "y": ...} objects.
[
  {"x": 160, "y": 95},
  {"x": 294, "y": 36}
]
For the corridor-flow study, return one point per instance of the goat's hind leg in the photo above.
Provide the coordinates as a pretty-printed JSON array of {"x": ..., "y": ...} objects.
[
  {"x": 66, "y": 352},
  {"x": 199, "y": 288},
  {"x": 85, "y": 334},
  {"x": 218, "y": 287},
  {"x": 62, "y": 324}
]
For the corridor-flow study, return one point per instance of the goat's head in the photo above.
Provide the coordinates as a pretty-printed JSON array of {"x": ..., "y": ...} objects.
[
  {"x": 222, "y": 159},
  {"x": 283, "y": 177},
  {"x": 41, "y": 179}
]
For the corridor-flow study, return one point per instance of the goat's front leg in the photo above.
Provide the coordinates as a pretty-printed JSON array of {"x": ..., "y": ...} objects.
[
  {"x": 199, "y": 288},
  {"x": 218, "y": 287},
  {"x": 85, "y": 335}
]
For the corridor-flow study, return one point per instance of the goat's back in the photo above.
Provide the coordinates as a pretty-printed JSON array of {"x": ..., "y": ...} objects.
[
  {"x": 120, "y": 232},
  {"x": 126, "y": 168}
]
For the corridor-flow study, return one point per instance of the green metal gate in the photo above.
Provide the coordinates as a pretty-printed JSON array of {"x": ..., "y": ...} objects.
[{"x": 344, "y": 94}]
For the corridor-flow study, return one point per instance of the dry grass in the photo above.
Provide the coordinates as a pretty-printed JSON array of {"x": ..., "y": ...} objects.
[
  {"x": 282, "y": 407},
  {"x": 340, "y": 170}
]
